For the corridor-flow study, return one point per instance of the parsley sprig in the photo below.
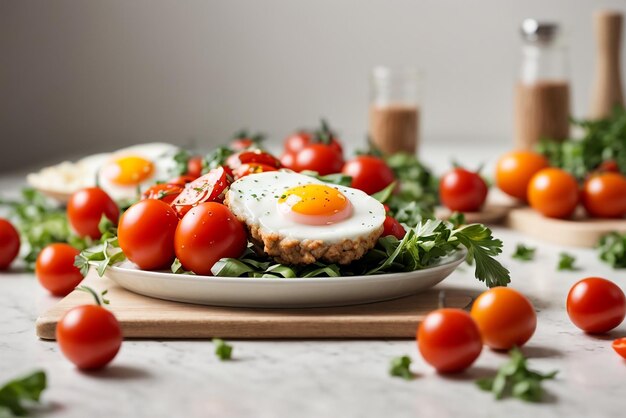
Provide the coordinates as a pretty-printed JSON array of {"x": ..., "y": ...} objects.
[
  {"x": 515, "y": 379},
  {"x": 401, "y": 367},
  {"x": 566, "y": 262},
  {"x": 612, "y": 248},
  {"x": 223, "y": 351},
  {"x": 524, "y": 253},
  {"x": 15, "y": 393}
]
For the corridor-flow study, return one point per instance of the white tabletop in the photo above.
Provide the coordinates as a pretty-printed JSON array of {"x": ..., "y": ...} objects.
[{"x": 324, "y": 378}]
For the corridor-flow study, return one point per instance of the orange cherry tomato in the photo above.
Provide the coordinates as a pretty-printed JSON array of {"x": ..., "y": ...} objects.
[
  {"x": 55, "y": 269},
  {"x": 505, "y": 317},
  {"x": 86, "y": 208},
  {"x": 165, "y": 192},
  {"x": 553, "y": 193},
  {"x": 89, "y": 336},
  {"x": 604, "y": 195},
  {"x": 146, "y": 234},
  {"x": 619, "y": 346},
  {"x": 449, "y": 340},
  {"x": 596, "y": 305},
  {"x": 9, "y": 243},
  {"x": 515, "y": 169}
]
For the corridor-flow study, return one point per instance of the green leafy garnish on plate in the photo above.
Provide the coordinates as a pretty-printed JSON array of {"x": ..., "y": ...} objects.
[
  {"x": 523, "y": 253},
  {"x": 17, "y": 392},
  {"x": 401, "y": 367},
  {"x": 516, "y": 380},
  {"x": 223, "y": 350},
  {"x": 566, "y": 262},
  {"x": 612, "y": 248}
]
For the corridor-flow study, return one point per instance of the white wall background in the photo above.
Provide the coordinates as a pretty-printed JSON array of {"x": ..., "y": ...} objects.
[{"x": 81, "y": 76}]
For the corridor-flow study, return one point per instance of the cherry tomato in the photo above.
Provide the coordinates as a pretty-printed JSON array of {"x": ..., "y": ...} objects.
[
  {"x": 515, "y": 169},
  {"x": 86, "y": 208},
  {"x": 300, "y": 140},
  {"x": 619, "y": 346},
  {"x": 596, "y": 305},
  {"x": 182, "y": 180},
  {"x": 247, "y": 169},
  {"x": 241, "y": 144},
  {"x": 393, "y": 227},
  {"x": 370, "y": 174},
  {"x": 195, "y": 165},
  {"x": 288, "y": 160},
  {"x": 320, "y": 158},
  {"x": 608, "y": 166},
  {"x": 146, "y": 234},
  {"x": 297, "y": 141},
  {"x": 55, "y": 269},
  {"x": 553, "y": 193},
  {"x": 9, "y": 243},
  {"x": 166, "y": 192},
  {"x": 209, "y": 188},
  {"x": 252, "y": 157},
  {"x": 462, "y": 190},
  {"x": 505, "y": 318},
  {"x": 449, "y": 340},
  {"x": 207, "y": 233},
  {"x": 89, "y": 336},
  {"x": 604, "y": 195}
]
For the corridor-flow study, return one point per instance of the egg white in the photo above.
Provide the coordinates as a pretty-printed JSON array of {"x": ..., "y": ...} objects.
[{"x": 254, "y": 198}]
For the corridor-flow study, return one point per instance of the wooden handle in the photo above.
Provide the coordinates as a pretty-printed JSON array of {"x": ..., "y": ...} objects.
[{"x": 607, "y": 86}]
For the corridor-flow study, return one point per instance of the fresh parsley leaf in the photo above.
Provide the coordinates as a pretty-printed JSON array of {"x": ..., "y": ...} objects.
[
  {"x": 27, "y": 388},
  {"x": 400, "y": 367},
  {"x": 524, "y": 253},
  {"x": 217, "y": 157},
  {"x": 516, "y": 380},
  {"x": 106, "y": 254},
  {"x": 566, "y": 262},
  {"x": 181, "y": 158},
  {"x": 612, "y": 249},
  {"x": 223, "y": 350}
]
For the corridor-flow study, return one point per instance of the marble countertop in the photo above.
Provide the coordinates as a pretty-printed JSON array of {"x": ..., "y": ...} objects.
[{"x": 323, "y": 378}]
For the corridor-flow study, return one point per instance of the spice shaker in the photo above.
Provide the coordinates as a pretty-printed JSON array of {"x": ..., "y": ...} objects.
[{"x": 542, "y": 95}]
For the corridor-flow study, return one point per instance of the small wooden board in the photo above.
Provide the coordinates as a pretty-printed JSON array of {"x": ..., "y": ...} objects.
[
  {"x": 143, "y": 317},
  {"x": 576, "y": 232}
]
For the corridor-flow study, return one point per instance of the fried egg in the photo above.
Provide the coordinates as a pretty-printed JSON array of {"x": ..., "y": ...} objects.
[
  {"x": 132, "y": 170},
  {"x": 300, "y": 207}
]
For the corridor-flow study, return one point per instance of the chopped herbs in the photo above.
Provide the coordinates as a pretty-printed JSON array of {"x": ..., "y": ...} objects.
[
  {"x": 516, "y": 380},
  {"x": 612, "y": 249},
  {"x": 524, "y": 253},
  {"x": 400, "y": 367},
  {"x": 15, "y": 393},
  {"x": 566, "y": 262},
  {"x": 223, "y": 350}
]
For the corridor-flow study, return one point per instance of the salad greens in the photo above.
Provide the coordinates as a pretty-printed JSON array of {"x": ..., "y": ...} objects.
[
  {"x": 612, "y": 248},
  {"x": 515, "y": 379},
  {"x": 401, "y": 367},
  {"x": 602, "y": 140},
  {"x": 566, "y": 262},
  {"x": 223, "y": 351},
  {"x": 24, "y": 389},
  {"x": 524, "y": 253}
]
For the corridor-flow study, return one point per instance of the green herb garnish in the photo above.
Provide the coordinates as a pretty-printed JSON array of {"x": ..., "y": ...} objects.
[
  {"x": 400, "y": 367},
  {"x": 523, "y": 253},
  {"x": 566, "y": 262},
  {"x": 24, "y": 389},
  {"x": 223, "y": 350},
  {"x": 612, "y": 249},
  {"x": 516, "y": 380}
]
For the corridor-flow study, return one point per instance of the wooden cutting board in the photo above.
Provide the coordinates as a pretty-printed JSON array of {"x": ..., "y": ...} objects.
[{"x": 143, "y": 317}]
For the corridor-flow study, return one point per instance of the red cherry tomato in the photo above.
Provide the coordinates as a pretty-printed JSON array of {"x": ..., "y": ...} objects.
[
  {"x": 300, "y": 140},
  {"x": 619, "y": 346},
  {"x": 247, "y": 169},
  {"x": 462, "y": 190},
  {"x": 209, "y": 188},
  {"x": 320, "y": 158},
  {"x": 146, "y": 234},
  {"x": 55, "y": 269},
  {"x": 608, "y": 166},
  {"x": 288, "y": 160},
  {"x": 207, "y": 233},
  {"x": 596, "y": 305},
  {"x": 89, "y": 336},
  {"x": 195, "y": 165},
  {"x": 9, "y": 243},
  {"x": 86, "y": 208},
  {"x": 166, "y": 192},
  {"x": 553, "y": 193},
  {"x": 505, "y": 318},
  {"x": 393, "y": 227},
  {"x": 252, "y": 157},
  {"x": 604, "y": 195},
  {"x": 449, "y": 340},
  {"x": 370, "y": 174},
  {"x": 297, "y": 141},
  {"x": 241, "y": 144},
  {"x": 182, "y": 180}
]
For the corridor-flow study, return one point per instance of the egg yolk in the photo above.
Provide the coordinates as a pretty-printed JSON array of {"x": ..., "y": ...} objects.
[
  {"x": 129, "y": 170},
  {"x": 315, "y": 204}
]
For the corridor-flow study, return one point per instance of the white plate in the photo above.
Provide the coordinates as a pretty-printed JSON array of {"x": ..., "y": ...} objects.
[{"x": 280, "y": 292}]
